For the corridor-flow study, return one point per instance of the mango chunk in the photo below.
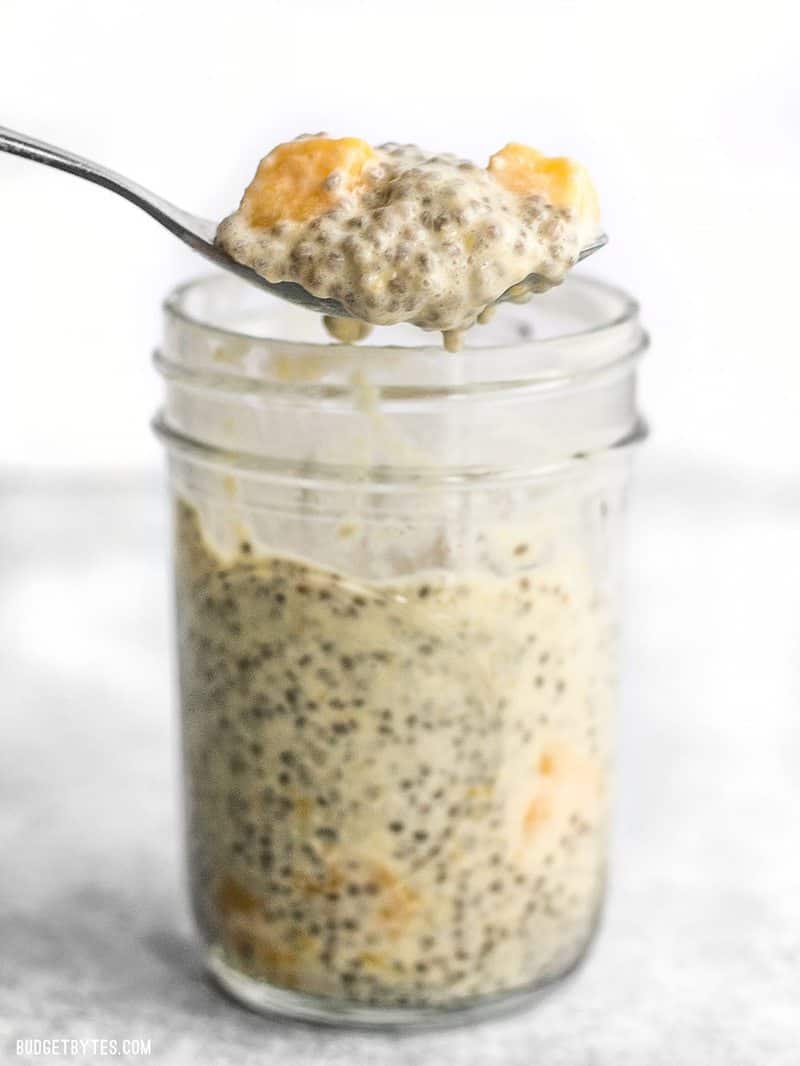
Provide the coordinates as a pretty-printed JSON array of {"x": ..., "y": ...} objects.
[
  {"x": 302, "y": 179},
  {"x": 566, "y": 782},
  {"x": 561, "y": 181}
]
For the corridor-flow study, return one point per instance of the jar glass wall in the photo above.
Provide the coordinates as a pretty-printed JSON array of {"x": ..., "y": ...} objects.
[{"x": 396, "y": 575}]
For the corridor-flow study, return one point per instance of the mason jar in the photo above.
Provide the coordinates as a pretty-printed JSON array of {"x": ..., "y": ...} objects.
[{"x": 396, "y": 587}]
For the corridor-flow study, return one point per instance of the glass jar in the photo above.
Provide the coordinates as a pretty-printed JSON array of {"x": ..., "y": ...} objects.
[{"x": 396, "y": 613}]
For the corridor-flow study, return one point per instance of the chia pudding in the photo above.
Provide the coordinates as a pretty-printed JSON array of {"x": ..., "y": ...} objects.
[
  {"x": 397, "y": 234},
  {"x": 397, "y": 788}
]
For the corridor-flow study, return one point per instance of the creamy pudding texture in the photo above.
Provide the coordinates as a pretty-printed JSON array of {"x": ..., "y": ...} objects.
[
  {"x": 397, "y": 789},
  {"x": 396, "y": 234}
]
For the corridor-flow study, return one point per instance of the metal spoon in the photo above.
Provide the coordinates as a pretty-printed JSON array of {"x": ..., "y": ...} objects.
[{"x": 198, "y": 233}]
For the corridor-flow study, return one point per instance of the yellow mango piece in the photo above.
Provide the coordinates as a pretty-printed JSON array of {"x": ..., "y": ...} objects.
[
  {"x": 566, "y": 782},
  {"x": 302, "y": 179},
  {"x": 561, "y": 181}
]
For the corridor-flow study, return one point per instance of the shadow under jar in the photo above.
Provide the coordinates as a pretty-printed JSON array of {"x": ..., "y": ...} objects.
[{"x": 396, "y": 583}]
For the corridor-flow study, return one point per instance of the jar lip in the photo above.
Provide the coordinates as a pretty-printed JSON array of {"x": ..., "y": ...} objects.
[
  {"x": 561, "y": 357},
  {"x": 172, "y": 305}
]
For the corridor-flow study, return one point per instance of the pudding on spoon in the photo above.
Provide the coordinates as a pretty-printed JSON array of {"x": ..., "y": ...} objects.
[{"x": 395, "y": 234}]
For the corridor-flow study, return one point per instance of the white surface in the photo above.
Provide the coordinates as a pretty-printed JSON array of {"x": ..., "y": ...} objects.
[
  {"x": 699, "y": 960},
  {"x": 685, "y": 112}
]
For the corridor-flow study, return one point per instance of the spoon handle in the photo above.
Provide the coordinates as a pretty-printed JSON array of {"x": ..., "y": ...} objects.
[{"x": 196, "y": 232}]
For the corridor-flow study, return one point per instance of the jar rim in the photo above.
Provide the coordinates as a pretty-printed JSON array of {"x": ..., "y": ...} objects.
[
  {"x": 613, "y": 338},
  {"x": 405, "y": 414}
]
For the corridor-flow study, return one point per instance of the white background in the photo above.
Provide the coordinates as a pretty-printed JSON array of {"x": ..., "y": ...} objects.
[{"x": 688, "y": 115}]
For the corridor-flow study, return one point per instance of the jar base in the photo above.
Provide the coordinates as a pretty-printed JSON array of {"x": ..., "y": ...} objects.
[{"x": 267, "y": 999}]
